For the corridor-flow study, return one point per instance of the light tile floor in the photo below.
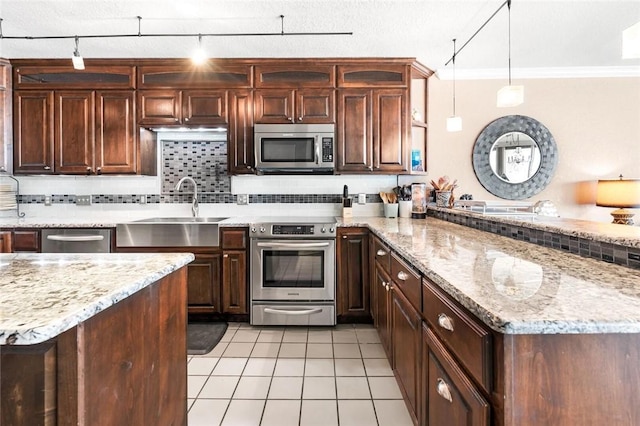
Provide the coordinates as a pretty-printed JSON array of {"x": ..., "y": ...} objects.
[{"x": 295, "y": 376}]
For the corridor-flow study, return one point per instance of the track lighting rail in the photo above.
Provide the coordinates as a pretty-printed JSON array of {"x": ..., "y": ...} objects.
[{"x": 139, "y": 34}]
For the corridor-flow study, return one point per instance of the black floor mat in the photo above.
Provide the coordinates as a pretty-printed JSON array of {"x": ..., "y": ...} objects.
[{"x": 202, "y": 337}]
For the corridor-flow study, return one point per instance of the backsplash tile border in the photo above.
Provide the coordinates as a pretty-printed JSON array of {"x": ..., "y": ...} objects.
[{"x": 606, "y": 252}]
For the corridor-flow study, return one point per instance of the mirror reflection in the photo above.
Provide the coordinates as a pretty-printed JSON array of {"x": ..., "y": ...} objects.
[{"x": 514, "y": 157}]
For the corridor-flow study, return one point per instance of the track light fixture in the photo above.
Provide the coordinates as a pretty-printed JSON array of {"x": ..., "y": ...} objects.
[
  {"x": 510, "y": 96},
  {"x": 199, "y": 56},
  {"x": 78, "y": 62},
  {"x": 454, "y": 123}
]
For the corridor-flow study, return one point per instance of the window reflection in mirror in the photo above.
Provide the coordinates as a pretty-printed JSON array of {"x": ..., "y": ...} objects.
[{"x": 514, "y": 157}]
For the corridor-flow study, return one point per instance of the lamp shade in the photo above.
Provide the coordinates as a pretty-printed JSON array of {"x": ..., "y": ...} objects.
[
  {"x": 454, "y": 124},
  {"x": 621, "y": 193},
  {"x": 510, "y": 96}
]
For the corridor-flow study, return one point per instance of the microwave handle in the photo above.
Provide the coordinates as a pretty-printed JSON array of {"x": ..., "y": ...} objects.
[{"x": 317, "y": 150}]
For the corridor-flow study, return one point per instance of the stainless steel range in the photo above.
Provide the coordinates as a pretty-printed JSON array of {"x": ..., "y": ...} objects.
[{"x": 293, "y": 274}]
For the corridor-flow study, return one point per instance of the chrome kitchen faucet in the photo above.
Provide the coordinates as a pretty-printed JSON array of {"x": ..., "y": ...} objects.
[{"x": 194, "y": 204}]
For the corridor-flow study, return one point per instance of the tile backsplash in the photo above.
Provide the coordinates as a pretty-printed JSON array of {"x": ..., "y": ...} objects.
[{"x": 203, "y": 160}]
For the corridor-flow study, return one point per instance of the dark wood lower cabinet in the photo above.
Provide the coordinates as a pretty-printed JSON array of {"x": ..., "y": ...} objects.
[
  {"x": 405, "y": 331},
  {"x": 234, "y": 279},
  {"x": 449, "y": 397},
  {"x": 382, "y": 285},
  {"x": 126, "y": 365},
  {"x": 352, "y": 273},
  {"x": 6, "y": 245},
  {"x": 204, "y": 284}
]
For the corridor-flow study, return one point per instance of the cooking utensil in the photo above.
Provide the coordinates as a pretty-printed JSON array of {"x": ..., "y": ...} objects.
[
  {"x": 393, "y": 199},
  {"x": 383, "y": 195}
]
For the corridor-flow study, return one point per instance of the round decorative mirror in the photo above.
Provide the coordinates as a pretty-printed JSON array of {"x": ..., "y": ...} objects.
[{"x": 514, "y": 157}]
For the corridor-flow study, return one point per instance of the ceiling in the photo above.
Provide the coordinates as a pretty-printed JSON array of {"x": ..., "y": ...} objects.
[{"x": 545, "y": 35}]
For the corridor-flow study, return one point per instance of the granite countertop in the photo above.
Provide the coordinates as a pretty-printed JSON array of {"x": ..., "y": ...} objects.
[
  {"x": 43, "y": 295},
  {"x": 512, "y": 286}
]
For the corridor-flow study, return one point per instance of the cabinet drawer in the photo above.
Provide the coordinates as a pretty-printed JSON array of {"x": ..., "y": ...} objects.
[
  {"x": 382, "y": 254},
  {"x": 464, "y": 335},
  {"x": 26, "y": 241},
  {"x": 234, "y": 238},
  {"x": 407, "y": 280}
]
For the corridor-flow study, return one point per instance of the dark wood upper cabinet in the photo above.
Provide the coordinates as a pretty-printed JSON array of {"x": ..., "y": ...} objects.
[
  {"x": 240, "y": 153},
  {"x": 185, "y": 75},
  {"x": 59, "y": 74},
  {"x": 374, "y": 75},
  {"x": 204, "y": 107},
  {"x": 354, "y": 148},
  {"x": 187, "y": 107},
  {"x": 295, "y": 106},
  {"x": 33, "y": 131},
  {"x": 115, "y": 146},
  {"x": 295, "y": 75},
  {"x": 159, "y": 107},
  {"x": 74, "y": 137}
]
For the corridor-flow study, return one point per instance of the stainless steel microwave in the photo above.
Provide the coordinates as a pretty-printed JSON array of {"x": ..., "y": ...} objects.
[{"x": 295, "y": 148}]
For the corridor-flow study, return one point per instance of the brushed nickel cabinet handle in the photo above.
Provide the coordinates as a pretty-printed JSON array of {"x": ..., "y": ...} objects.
[
  {"x": 403, "y": 276},
  {"x": 47, "y": 168},
  {"x": 443, "y": 390},
  {"x": 381, "y": 252},
  {"x": 445, "y": 322}
]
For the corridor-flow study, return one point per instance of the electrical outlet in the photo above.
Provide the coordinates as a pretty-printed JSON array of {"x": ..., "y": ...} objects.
[
  {"x": 143, "y": 199},
  {"x": 242, "y": 199},
  {"x": 83, "y": 200},
  {"x": 47, "y": 200},
  {"x": 362, "y": 198}
]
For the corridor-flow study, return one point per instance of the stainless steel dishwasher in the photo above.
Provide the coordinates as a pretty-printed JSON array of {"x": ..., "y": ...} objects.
[{"x": 76, "y": 240}]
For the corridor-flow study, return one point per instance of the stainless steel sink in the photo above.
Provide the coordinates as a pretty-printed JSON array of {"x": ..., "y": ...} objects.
[{"x": 169, "y": 232}]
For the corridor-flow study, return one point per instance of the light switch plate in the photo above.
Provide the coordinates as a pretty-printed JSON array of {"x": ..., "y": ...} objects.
[
  {"x": 47, "y": 200},
  {"x": 362, "y": 198}
]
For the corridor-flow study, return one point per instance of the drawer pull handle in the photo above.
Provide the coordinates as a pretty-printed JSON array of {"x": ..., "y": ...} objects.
[
  {"x": 403, "y": 275},
  {"x": 443, "y": 390},
  {"x": 381, "y": 252},
  {"x": 445, "y": 322},
  {"x": 388, "y": 287}
]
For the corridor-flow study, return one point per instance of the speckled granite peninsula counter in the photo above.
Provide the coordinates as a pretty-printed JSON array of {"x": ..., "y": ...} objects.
[
  {"x": 503, "y": 332},
  {"x": 93, "y": 339},
  {"x": 512, "y": 286}
]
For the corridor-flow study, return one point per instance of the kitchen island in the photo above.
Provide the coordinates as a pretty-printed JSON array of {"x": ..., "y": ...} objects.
[{"x": 93, "y": 339}]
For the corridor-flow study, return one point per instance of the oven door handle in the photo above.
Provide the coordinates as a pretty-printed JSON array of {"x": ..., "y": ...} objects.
[
  {"x": 293, "y": 245},
  {"x": 293, "y": 312}
]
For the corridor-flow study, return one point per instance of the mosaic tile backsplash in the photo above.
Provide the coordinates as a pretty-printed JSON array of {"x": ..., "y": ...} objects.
[{"x": 204, "y": 161}]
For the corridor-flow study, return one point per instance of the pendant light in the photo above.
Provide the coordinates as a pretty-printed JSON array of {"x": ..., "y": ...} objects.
[
  {"x": 78, "y": 62},
  {"x": 510, "y": 96},
  {"x": 199, "y": 56},
  {"x": 454, "y": 123}
]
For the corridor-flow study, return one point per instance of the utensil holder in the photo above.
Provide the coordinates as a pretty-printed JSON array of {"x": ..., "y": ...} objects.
[
  {"x": 391, "y": 210},
  {"x": 404, "y": 208},
  {"x": 443, "y": 198}
]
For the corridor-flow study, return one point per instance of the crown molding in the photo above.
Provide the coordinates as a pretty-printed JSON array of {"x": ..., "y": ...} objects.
[{"x": 531, "y": 73}]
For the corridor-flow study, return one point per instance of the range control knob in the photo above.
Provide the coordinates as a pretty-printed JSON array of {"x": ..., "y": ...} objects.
[
  {"x": 263, "y": 229},
  {"x": 332, "y": 229},
  {"x": 323, "y": 229},
  {"x": 253, "y": 229}
]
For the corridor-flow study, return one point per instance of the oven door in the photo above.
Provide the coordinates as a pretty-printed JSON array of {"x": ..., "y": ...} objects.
[{"x": 292, "y": 270}]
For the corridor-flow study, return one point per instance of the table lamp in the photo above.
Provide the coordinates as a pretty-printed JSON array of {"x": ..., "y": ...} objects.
[{"x": 620, "y": 193}]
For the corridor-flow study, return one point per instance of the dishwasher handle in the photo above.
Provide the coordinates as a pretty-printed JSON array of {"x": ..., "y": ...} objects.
[{"x": 75, "y": 238}]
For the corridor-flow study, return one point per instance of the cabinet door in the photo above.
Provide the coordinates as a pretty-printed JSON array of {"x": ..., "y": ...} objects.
[
  {"x": 450, "y": 397},
  {"x": 234, "y": 282},
  {"x": 353, "y": 273},
  {"x": 74, "y": 138},
  {"x": 405, "y": 332},
  {"x": 159, "y": 107},
  {"x": 391, "y": 127},
  {"x": 315, "y": 106},
  {"x": 204, "y": 284},
  {"x": 33, "y": 132},
  {"x": 274, "y": 106},
  {"x": 354, "y": 131},
  {"x": 115, "y": 132},
  {"x": 5, "y": 242},
  {"x": 383, "y": 287},
  {"x": 26, "y": 240},
  {"x": 241, "y": 157},
  {"x": 204, "y": 107}
]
